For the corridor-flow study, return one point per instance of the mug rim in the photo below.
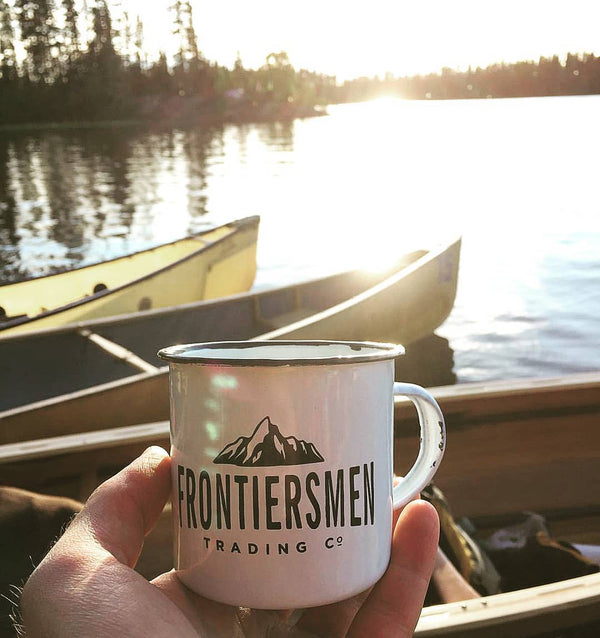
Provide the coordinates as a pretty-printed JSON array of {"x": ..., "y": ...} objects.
[{"x": 358, "y": 352}]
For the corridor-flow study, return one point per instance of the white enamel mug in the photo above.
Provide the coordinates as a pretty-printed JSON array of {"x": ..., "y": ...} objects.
[{"x": 283, "y": 468}]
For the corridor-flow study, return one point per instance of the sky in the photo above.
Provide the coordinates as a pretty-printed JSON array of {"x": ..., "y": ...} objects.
[{"x": 347, "y": 38}]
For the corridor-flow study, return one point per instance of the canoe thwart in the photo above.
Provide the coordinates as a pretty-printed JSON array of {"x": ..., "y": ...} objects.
[{"x": 117, "y": 351}]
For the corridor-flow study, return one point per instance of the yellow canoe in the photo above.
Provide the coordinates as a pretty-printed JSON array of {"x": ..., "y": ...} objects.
[{"x": 217, "y": 262}]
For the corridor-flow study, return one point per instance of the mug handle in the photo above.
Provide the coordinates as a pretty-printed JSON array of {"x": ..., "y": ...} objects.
[{"x": 432, "y": 445}]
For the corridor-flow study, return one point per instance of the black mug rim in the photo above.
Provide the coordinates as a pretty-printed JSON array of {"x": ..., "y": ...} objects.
[{"x": 358, "y": 352}]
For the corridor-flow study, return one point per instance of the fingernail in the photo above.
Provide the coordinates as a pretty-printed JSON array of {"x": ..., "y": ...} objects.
[{"x": 154, "y": 453}]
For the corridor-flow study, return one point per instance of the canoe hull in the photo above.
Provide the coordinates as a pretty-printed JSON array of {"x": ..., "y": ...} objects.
[
  {"x": 403, "y": 308},
  {"x": 95, "y": 387},
  {"x": 218, "y": 262},
  {"x": 487, "y": 474}
]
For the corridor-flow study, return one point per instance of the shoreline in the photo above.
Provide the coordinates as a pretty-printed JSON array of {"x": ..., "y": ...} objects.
[
  {"x": 186, "y": 120},
  {"x": 189, "y": 117}
]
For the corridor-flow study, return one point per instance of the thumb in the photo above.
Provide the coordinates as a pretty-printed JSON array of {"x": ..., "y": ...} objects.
[
  {"x": 120, "y": 513},
  {"x": 78, "y": 589},
  {"x": 395, "y": 603}
]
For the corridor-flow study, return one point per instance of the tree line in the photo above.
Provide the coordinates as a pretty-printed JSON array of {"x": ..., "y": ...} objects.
[
  {"x": 577, "y": 74},
  {"x": 83, "y": 64},
  {"x": 61, "y": 60}
]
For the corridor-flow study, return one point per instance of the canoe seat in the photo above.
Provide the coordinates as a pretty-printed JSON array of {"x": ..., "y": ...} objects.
[{"x": 285, "y": 319}]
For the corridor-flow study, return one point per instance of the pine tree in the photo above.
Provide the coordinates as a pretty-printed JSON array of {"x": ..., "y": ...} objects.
[
  {"x": 126, "y": 38},
  {"x": 102, "y": 42},
  {"x": 38, "y": 35},
  {"x": 138, "y": 44},
  {"x": 70, "y": 29},
  {"x": 8, "y": 59},
  {"x": 191, "y": 42},
  {"x": 190, "y": 68}
]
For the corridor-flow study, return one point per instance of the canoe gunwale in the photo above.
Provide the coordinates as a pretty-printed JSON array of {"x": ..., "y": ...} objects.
[
  {"x": 475, "y": 391},
  {"x": 386, "y": 284},
  {"x": 239, "y": 223},
  {"x": 356, "y": 300},
  {"x": 501, "y": 612},
  {"x": 21, "y": 320}
]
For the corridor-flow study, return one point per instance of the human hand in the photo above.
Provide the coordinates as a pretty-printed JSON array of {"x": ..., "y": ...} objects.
[{"x": 86, "y": 585}]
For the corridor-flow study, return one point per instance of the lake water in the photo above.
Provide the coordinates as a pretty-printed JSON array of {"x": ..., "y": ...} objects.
[{"x": 517, "y": 178}]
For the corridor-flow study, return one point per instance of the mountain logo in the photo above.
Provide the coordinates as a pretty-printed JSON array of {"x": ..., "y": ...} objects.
[{"x": 268, "y": 447}]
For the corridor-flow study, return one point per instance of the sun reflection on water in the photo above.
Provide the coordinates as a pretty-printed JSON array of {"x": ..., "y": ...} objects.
[{"x": 515, "y": 178}]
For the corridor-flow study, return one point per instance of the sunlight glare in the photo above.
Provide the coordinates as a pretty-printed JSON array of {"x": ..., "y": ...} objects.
[{"x": 402, "y": 38}]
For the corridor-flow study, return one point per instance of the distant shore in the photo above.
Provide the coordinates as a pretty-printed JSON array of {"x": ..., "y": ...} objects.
[{"x": 185, "y": 113}]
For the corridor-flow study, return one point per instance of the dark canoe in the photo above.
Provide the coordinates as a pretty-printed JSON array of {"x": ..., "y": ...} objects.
[
  {"x": 512, "y": 446},
  {"x": 105, "y": 373}
]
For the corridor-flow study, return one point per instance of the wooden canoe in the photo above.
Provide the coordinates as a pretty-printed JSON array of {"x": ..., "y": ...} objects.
[
  {"x": 216, "y": 262},
  {"x": 101, "y": 374},
  {"x": 512, "y": 446}
]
